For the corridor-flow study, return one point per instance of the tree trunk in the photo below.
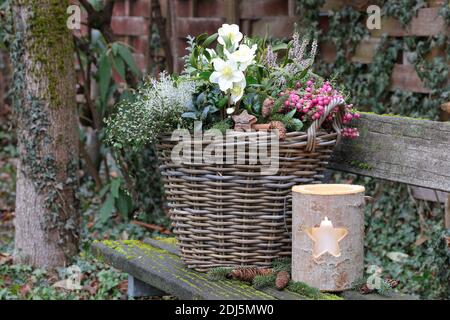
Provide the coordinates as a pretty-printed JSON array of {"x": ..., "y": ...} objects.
[
  {"x": 42, "y": 53},
  {"x": 328, "y": 235}
]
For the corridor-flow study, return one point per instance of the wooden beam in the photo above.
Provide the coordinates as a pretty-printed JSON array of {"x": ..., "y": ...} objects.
[
  {"x": 232, "y": 11},
  {"x": 405, "y": 78},
  {"x": 398, "y": 149},
  {"x": 192, "y": 8},
  {"x": 427, "y": 23},
  {"x": 421, "y": 193}
]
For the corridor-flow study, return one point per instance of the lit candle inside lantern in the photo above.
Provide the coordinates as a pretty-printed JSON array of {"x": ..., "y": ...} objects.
[{"x": 326, "y": 238}]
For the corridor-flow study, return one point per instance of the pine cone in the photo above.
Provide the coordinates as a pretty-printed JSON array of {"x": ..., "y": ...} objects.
[
  {"x": 248, "y": 274},
  {"x": 365, "y": 289},
  {"x": 267, "y": 107},
  {"x": 282, "y": 280},
  {"x": 391, "y": 282},
  {"x": 278, "y": 125}
]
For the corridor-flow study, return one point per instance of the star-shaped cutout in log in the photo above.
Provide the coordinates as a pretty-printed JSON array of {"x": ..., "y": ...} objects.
[{"x": 326, "y": 238}]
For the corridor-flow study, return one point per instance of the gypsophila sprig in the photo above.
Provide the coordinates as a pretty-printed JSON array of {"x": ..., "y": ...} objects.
[{"x": 156, "y": 108}]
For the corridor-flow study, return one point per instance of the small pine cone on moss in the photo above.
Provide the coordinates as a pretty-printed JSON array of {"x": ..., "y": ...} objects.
[
  {"x": 365, "y": 289},
  {"x": 282, "y": 280},
  {"x": 278, "y": 125},
  {"x": 248, "y": 274},
  {"x": 391, "y": 282},
  {"x": 267, "y": 107}
]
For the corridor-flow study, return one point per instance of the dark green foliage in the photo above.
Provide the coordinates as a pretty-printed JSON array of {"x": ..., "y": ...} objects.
[
  {"x": 260, "y": 282},
  {"x": 305, "y": 290},
  {"x": 282, "y": 264},
  {"x": 218, "y": 273},
  {"x": 223, "y": 125}
]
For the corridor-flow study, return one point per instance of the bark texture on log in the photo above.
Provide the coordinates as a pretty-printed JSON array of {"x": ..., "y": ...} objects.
[
  {"x": 346, "y": 211},
  {"x": 47, "y": 219}
]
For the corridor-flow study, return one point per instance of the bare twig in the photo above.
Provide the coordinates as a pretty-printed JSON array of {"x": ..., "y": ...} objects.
[
  {"x": 161, "y": 24},
  {"x": 152, "y": 227},
  {"x": 90, "y": 166},
  {"x": 95, "y": 115}
]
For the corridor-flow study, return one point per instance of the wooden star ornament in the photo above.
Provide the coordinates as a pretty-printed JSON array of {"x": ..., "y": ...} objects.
[
  {"x": 326, "y": 238},
  {"x": 244, "y": 121}
]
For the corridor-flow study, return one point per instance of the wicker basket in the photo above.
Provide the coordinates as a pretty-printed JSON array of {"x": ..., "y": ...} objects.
[{"x": 230, "y": 214}]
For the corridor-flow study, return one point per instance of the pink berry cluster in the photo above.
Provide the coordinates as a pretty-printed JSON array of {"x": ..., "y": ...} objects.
[
  {"x": 351, "y": 133},
  {"x": 310, "y": 103}
]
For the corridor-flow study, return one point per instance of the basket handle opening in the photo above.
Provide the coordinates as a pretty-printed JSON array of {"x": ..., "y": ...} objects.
[{"x": 337, "y": 122}]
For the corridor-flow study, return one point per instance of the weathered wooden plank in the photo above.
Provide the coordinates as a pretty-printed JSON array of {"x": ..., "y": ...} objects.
[
  {"x": 405, "y": 78},
  {"x": 407, "y": 150},
  {"x": 168, "y": 244},
  {"x": 256, "y": 9},
  {"x": 166, "y": 272},
  {"x": 427, "y": 23},
  {"x": 275, "y": 27},
  {"x": 196, "y": 26},
  {"x": 420, "y": 193},
  {"x": 365, "y": 50}
]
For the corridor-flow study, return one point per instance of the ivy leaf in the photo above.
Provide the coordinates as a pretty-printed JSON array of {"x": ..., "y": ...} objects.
[{"x": 127, "y": 56}]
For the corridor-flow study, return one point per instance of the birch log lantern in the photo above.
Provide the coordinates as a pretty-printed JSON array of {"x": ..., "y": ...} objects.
[{"x": 328, "y": 235}]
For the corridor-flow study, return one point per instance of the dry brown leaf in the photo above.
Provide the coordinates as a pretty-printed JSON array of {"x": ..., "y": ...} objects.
[
  {"x": 421, "y": 239},
  {"x": 92, "y": 290},
  {"x": 25, "y": 289},
  {"x": 123, "y": 286},
  {"x": 5, "y": 258}
]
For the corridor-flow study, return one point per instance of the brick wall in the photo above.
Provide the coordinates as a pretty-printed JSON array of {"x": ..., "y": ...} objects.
[
  {"x": 130, "y": 23},
  {"x": 193, "y": 17}
]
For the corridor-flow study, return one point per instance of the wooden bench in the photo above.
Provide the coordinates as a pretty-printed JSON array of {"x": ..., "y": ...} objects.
[
  {"x": 155, "y": 269},
  {"x": 406, "y": 150},
  {"x": 399, "y": 149}
]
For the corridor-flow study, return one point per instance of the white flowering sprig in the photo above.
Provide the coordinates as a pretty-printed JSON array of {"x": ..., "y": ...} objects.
[
  {"x": 157, "y": 108},
  {"x": 229, "y": 68}
]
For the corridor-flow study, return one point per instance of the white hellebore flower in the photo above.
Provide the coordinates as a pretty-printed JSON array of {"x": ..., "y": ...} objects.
[
  {"x": 226, "y": 73},
  {"x": 237, "y": 91},
  {"x": 231, "y": 33},
  {"x": 244, "y": 56}
]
